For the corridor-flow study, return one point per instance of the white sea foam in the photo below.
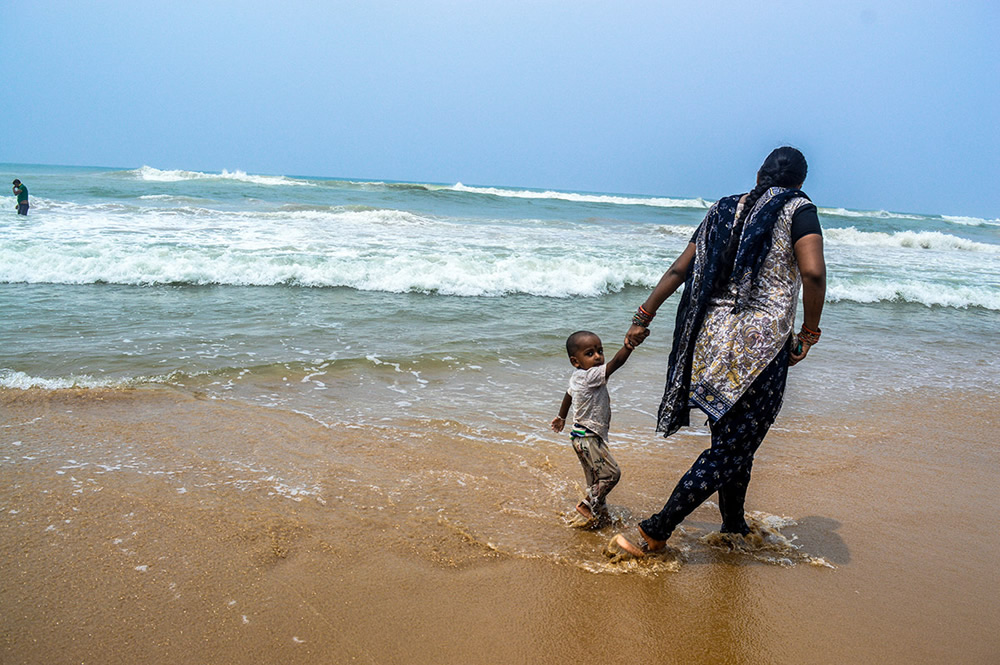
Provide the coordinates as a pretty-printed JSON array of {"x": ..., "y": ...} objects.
[
  {"x": 382, "y": 249},
  {"x": 465, "y": 271},
  {"x": 868, "y": 214},
  {"x": 660, "y": 202},
  {"x": 906, "y": 239},
  {"x": 372, "y": 250},
  {"x": 150, "y": 174},
  {"x": 970, "y": 221},
  {"x": 912, "y": 291},
  {"x": 22, "y": 381}
]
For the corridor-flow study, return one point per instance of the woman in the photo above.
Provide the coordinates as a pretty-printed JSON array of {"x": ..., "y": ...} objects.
[{"x": 733, "y": 340}]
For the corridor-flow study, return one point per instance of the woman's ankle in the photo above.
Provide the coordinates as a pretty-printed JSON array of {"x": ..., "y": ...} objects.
[
  {"x": 740, "y": 529},
  {"x": 652, "y": 544}
]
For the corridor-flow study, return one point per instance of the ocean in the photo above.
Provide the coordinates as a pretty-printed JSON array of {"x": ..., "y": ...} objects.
[
  {"x": 218, "y": 282},
  {"x": 374, "y": 348}
]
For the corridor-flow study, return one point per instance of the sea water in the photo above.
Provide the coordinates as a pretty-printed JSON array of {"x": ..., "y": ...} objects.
[{"x": 358, "y": 301}]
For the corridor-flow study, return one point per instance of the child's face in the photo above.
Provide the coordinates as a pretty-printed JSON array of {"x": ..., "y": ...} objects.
[{"x": 589, "y": 354}]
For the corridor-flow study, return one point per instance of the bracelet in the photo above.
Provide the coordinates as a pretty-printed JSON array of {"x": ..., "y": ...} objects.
[
  {"x": 642, "y": 318},
  {"x": 808, "y": 336}
]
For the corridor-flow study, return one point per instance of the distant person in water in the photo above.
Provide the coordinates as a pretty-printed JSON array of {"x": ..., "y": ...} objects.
[
  {"x": 588, "y": 394},
  {"x": 22, "y": 197},
  {"x": 734, "y": 335}
]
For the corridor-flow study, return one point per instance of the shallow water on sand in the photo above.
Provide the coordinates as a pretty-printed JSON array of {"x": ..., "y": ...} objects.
[{"x": 222, "y": 530}]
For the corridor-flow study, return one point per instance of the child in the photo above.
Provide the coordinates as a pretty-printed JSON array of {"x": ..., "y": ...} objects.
[{"x": 588, "y": 393}]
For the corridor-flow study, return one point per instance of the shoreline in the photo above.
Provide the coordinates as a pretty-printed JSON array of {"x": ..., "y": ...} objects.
[{"x": 151, "y": 525}]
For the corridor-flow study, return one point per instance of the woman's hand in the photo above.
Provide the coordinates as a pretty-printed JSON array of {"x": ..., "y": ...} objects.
[
  {"x": 795, "y": 358},
  {"x": 635, "y": 336},
  {"x": 558, "y": 424}
]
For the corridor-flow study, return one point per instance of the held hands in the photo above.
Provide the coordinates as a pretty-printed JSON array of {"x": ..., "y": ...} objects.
[
  {"x": 635, "y": 336},
  {"x": 558, "y": 424}
]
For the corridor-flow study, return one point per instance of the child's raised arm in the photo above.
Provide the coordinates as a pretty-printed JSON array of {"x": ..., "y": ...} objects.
[
  {"x": 560, "y": 421},
  {"x": 618, "y": 360}
]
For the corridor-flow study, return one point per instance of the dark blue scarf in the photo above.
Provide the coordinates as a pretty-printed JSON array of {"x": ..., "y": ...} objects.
[{"x": 711, "y": 263}]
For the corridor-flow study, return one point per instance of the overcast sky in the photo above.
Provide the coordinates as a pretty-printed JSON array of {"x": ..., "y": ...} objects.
[{"x": 895, "y": 104}]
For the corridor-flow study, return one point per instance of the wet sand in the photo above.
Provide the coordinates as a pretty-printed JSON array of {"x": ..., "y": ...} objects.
[{"x": 152, "y": 526}]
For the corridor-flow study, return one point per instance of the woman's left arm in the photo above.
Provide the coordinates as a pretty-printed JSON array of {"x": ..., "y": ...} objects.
[
  {"x": 812, "y": 267},
  {"x": 671, "y": 280}
]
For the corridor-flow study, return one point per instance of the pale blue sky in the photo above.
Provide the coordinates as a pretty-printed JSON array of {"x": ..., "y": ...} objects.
[{"x": 895, "y": 104}]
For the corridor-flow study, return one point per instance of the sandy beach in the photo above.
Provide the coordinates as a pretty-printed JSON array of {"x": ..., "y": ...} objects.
[{"x": 134, "y": 531}]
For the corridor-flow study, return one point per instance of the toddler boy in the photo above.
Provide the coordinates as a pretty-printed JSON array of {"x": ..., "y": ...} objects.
[{"x": 588, "y": 394}]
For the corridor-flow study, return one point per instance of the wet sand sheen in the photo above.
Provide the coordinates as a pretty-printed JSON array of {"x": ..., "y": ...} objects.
[{"x": 150, "y": 526}]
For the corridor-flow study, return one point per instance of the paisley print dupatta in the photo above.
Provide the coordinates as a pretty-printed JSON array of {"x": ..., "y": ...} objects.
[{"x": 713, "y": 252}]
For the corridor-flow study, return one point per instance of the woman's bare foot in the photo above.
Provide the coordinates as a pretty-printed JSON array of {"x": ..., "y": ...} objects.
[
  {"x": 628, "y": 546},
  {"x": 584, "y": 510},
  {"x": 647, "y": 546}
]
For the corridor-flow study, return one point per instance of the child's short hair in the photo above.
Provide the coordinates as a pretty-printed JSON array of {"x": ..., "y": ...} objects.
[{"x": 574, "y": 341}]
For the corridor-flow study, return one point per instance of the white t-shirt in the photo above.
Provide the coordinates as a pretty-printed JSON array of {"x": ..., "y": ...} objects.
[{"x": 591, "y": 401}]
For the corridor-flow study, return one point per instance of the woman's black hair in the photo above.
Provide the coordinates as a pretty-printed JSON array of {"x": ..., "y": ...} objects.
[{"x": 784, "y": 167}]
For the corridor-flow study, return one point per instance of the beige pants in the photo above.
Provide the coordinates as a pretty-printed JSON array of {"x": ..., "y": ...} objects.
[{"x": 599, "y": 468}]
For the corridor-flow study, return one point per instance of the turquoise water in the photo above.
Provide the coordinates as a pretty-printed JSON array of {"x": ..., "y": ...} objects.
[{"x": 356, "y": 301}]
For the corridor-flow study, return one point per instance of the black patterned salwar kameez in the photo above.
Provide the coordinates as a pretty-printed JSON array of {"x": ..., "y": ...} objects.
[{"x": 730, "y": 350}]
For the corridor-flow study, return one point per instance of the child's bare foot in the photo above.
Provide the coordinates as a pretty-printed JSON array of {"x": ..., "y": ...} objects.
[{"x": 584, "y": 510}]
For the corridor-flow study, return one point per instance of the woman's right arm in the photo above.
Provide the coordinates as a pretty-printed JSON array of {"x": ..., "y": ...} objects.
[{"x": 672, "y": 280}]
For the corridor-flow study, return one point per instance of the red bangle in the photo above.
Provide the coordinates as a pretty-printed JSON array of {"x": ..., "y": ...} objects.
[
  {"x": 808, "y": 336},
  {"x": 642, "y": 318}
]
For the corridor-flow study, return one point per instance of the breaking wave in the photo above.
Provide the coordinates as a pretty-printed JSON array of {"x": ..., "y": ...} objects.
[
  {"x": 150, "y": 174},
  {"x": 660, "y": 202}
]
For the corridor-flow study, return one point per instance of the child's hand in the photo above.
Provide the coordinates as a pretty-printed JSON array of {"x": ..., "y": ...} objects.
[{"x": 558, "y": 424}]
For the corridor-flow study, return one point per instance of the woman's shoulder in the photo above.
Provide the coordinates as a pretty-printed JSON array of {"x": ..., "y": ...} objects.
[
  {"x": 727, "y": 202},
  {"x": 800, "y": 204},
  {"x": 792, "y": 200},
  {"x": 805, "y": 221}
]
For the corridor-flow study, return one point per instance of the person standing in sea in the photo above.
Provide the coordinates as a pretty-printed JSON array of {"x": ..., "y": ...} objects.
[
  {"x": 22, "y": 197},
  {"x": 733, "y": 335}
]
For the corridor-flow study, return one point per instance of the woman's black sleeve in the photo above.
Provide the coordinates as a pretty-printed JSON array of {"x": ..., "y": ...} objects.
[{"x": 805, "y": 221}]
